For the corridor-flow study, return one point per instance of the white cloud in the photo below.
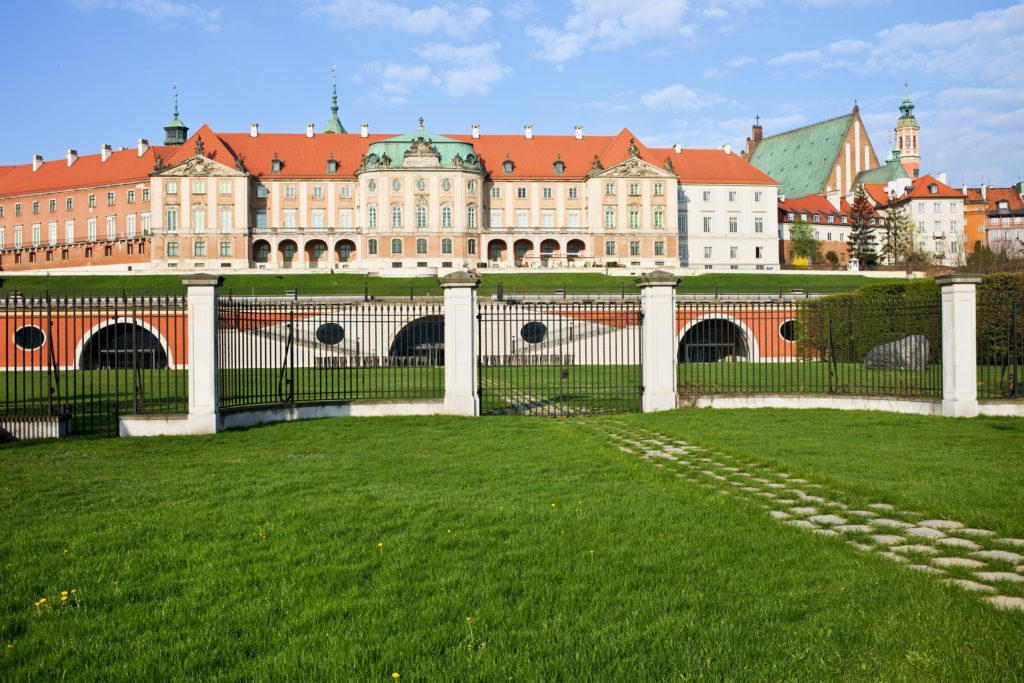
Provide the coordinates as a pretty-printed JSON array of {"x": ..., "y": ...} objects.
[
  {"x": 160, "y": 11},
  {"x": 740, "y": 62},
  {"x": 466, "y": 70},
  {"x": 677, "y": 96},
  {"x": 518, "y": 9},
  {"x": 448, "y": 17},
  {"x": 393, "y": 82},
  {"x": 609, "y": 25}
]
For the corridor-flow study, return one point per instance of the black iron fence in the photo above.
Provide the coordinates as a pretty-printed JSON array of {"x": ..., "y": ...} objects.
[
  {"x": 1000, "y": 342},
  {"x": 290, "y": 350},
  {"x": 89, "y": 360},
  {"x": 560, "y": 357},
  {"x": 835, "y": 345}
]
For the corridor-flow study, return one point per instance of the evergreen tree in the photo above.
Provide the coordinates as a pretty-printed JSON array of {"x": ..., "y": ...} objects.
[
  {"x": 897, "y": 235},
  {"x": 862, "y": 235}
]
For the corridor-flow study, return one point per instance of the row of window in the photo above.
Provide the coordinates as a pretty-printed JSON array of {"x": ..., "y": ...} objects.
[
  {"x": 199, "y": 186},
  {"x": 709, "y": 223},
  {"x": 610, "y": 248},
  {"x": 734, "y": 252},
  {"x": 816, "y": 218},
  {"x": 65, "y": 254},
  {"x": 69, "y": 202},
  {"x": 954, "y": 207},
  {"x": 198, "y": 249},
  {"x": 225, "y": 219},
  {"x": 709, "y": 195},
  {"x": 133, "y": 225}
]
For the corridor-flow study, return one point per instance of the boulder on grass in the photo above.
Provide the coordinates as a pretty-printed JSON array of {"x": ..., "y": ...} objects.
[{"x": 909, "y": 353}]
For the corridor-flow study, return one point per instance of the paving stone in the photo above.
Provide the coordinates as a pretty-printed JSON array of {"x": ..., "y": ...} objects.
[
  {"x": 957, "y": 562},
  {"x": 731, "y": 469},
  {"x": 970, "y": 585},
  {"x": 855, "y": 529},
  {"x": 799, "y": 481},
  {"x": 750, "y": 489},
  {"x": 1005, "y": 602},
  {"x": 958, "y": 543},
  {"x": 891, "y": 523},
  {"x": 826, "y": 532},
  {"x": 766, "y": 494},
  {"x": 1019, "y": 542},
  {"x": 925, "y": 532},
  {"x": 815, "y": 499},
  {"x": 828, "y": 519},
  {"x": 1004, "y": 555},
  {"x": 980, "y": 533},
  {"x": 940, "y": 524},
  {"x": 1000, "y": 576},
  {"x": 745, "y": 474},
  {"x": 864, "y": 547},
  {"x": 779, "y": 514},
  {"x": 786, "y": 501},
  {"x": 861, "y": 513},
  {"x": 775, "y": 485},
  {"x": 802, "y": 523},
  {"x": 925, "y": 568},
  {"x": 884, "y": 539},
  {"x": 1019, "y": 570},
  {"x": 923, "y": 549},
  {"x": 805, "y": 511},
  {"x": 881, "y": 506},
  {"x": 895, "y": 558}
]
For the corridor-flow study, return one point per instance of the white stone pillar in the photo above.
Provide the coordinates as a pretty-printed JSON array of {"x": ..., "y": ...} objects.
[
  {"x": 959, "y": 345},
  {"x": 461, "y": 343},
  {"x": 203, "y": 415},
  {"x": 658, "y": 334}
]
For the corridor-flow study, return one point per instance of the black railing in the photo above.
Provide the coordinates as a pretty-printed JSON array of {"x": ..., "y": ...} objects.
[
  {"x": 1000, "y": 341},
  {"x": 289, "y": 350},
  {"x": 90, "y": 360},
  {"x": 559, "y": 358},
  {"x": 835, "y": 345}
]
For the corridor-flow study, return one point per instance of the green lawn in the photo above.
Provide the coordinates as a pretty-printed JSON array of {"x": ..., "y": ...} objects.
[
  {"x": 350, "y": 284},
  {"x": 490, "y": 549}
]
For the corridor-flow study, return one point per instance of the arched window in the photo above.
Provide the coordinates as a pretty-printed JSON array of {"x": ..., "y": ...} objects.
[
  {"x": 421, "y": 246},
  {"x": 421, "y": 216},
  {"x": 288, "y": 250},
  {"x": 262, "y": 254},
  {"x": 446, "y": 246},
  {"x": 446, "y": 216},
  {"x": 559, "y": 167},
  {"x": 471, "y": 216},
  {"x": 396, "y": 246},
  {"x": 396, "y": 215},
  {"x": 471, "y": 246},
  {"x": 507, "y": 166},
  {"x": 371, "y": 247},
  {"x": 371, "y": 216}
]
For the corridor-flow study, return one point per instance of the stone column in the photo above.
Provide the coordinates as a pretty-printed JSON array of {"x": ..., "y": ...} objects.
[
  {"x": 461, "y": 344},
  {"x": 959, "y": 345},
  {"x": 203, "y": 414},
  {"x": 658, "y": 346}
]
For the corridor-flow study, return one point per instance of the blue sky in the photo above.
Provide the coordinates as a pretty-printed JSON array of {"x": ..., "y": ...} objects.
[{"x": 694, "y": 72}]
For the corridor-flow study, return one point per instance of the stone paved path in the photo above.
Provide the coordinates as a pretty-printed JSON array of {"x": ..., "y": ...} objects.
[{"x": 977, "y": 560}]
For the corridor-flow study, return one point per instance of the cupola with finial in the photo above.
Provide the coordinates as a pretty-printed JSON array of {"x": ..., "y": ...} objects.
[{"x": 176, "y": 132}]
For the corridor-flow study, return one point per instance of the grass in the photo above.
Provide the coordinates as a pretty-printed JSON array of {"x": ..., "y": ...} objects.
[
  {"x": 483, "y": 549},
  {"x": 353, "y": 285}
]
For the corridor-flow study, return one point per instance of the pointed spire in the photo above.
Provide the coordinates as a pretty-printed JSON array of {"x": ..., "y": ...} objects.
[
  {"x": 334, "y": 123},
  {"x": 176, "y": 132}
]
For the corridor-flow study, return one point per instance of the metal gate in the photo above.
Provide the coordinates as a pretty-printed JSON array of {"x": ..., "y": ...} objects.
[{"x": 559, "y": 358}]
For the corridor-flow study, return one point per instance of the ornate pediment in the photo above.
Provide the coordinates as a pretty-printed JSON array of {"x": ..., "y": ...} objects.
[
  {"x": 421, "y": 154},
  {"x": 201, "y": 166},
  {"x": 634, "y": 167}
]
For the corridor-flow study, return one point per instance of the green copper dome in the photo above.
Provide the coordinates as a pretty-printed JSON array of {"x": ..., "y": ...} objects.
[
  {"x": 176, "y": 132},
  {"x": 421, "y": 149},
  {"x": 907, "y": 118}
]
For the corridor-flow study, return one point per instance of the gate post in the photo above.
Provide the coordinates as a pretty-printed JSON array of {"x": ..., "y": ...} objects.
[
  {"x": 959, "y": 345},
  {"x": 203, "y": 411},
  {"x": 461, "y": 344},
  {"x": 658, "y": 340}
]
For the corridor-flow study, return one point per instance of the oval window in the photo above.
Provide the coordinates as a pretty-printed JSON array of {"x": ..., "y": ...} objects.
[
  {"x": 421, "y": 184},
  {"x": 396, "y": 185},
  {"x": 372, "y": 186},
  {"x": 330, "y": 334},
  {"x": 29, "y": 337},
  {"x": 446, "y": 185},
  {"x": 534, "y": 332},
  {"x": 787, "y": 330}
]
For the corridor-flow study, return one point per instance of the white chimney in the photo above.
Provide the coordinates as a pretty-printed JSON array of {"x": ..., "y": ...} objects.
[
  {"x": 254, "y": 130},
  {"x": 143, "y": 146},
  {"x": 984, "y": 191},
  {"x": 782, "y": 198},
  {"x": 942, "y": 178},
  {"x": 476, "y": 131},
  {"x": 309, "y": 130},
  {"x": 579, "y": 132},
  {"x": 37, "y": 161},
  {"x": 835, "y": 198},
  {"x": 528, "y": 131},
  {"x": 727, "y": 148},
  {"x": 72, "y": 157},
  {"x": 364, "y": 130},
  {"x": 105, "y": 152},
  {"x": 677, "y": 148}
]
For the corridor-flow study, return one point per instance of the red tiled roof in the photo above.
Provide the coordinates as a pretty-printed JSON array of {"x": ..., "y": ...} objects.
[
  {"x": 714, "y": 167},
  {"x": 816, "y": 204},
  {"x": 919, "y": 189},
  {"x": 123, "y": 166},
  {"x": 1004, "y": 194},
  {"x": 877, "y": 194},
  {"x": 974, "y": 195}
]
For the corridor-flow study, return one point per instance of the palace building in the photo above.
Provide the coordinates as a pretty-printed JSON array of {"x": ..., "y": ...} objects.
[{"x": 217, "y": 201}]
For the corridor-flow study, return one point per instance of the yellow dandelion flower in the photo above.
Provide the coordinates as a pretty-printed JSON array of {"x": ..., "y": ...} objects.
[
  {"x": 42, "y": 600},
  {"x": 380, "y": 545},
  {"x": 396, "y": 675},
  {"x": 470, "y": 619}
]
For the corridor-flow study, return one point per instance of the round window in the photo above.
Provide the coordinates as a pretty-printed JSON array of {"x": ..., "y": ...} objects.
[
  {"x": 534, "y": 332},
  {"x": 396, "y": 185},
  {"x": 372, "y": 186},
  {"x": 29, "y": 337},
  {"x": 330, "y": 334},
  {"x": 787, "y": 330},
  {"x": 446, "y": 185},
  {"x": 421, "y": 184}
]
